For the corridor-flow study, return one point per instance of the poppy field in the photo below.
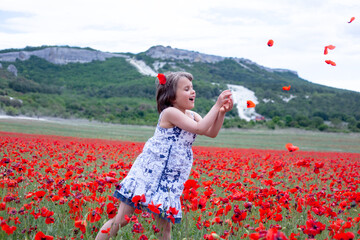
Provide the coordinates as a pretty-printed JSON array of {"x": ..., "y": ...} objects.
[{"x": 55, "y": 187}]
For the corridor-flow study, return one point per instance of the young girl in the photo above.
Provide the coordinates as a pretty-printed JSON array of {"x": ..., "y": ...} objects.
[{"x": 160, "y": 171}]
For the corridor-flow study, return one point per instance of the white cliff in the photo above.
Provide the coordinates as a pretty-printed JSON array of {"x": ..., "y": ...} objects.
[
  {"x": 240, "y": 96},
  {"x": 142, "y": 67}
]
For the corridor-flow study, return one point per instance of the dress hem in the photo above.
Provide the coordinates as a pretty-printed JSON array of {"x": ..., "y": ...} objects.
[{"x": 127, "y": 201}]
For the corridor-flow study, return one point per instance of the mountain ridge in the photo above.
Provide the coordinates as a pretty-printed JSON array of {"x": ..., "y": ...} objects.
[{"x": 65, "y": 55}]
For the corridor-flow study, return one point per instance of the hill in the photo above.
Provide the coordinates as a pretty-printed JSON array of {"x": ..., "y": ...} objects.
[{"x": 62, "y": 81}]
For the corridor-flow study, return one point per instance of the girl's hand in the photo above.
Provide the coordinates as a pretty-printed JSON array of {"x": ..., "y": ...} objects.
[
  {"x": 223, "y": 98},
  {"x": 227, "y": 106}
]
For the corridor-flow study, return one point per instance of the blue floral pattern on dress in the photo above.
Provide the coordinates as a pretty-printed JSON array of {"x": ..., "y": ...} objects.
[{"x": 161, "y": 170}]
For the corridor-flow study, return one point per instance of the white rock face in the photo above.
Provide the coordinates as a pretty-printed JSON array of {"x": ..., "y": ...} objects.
[
  {"x": 287, "y": 99},
  {"x": 142, "y": 67},
  {"x": 11, "y": 68},
  {"x": 15, "y": 99},
  {"x": 240, "y": 96},
  {"x": 157, "y": 65},
  {"x": 266, "y": 100}
]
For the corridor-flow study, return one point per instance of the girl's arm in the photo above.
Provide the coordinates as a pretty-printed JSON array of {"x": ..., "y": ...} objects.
[
  {"x": 215, "y": 128},
  {"x": 181, "y": 120}
]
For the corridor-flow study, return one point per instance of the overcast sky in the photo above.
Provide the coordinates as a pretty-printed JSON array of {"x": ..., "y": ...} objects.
[{"x": 229, "y": 28}]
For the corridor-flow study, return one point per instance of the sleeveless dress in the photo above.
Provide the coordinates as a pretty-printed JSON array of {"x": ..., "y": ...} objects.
[{"x": 160, "y": 171}]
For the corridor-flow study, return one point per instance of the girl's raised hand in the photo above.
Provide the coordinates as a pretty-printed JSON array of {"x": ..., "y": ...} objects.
[
  {"x": 227, "y": 106},
  {"x": 223, "y": 98}
]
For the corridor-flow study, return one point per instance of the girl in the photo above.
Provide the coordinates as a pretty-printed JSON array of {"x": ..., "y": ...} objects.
[{"x": 156, "y": 180}]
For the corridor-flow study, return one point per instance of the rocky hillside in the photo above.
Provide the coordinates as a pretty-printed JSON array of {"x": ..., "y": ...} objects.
[{"x": 174, "y": 54}]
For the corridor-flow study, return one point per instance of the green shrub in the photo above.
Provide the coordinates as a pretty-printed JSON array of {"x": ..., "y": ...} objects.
[
  {"x": 323, "y": 127},
  {"x": 11, "y": 111}
]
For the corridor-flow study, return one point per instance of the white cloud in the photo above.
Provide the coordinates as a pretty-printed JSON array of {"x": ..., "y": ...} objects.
[{"x": 230, "y": 28}]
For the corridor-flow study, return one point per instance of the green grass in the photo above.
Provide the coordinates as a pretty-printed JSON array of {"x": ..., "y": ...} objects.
[{"x": 232, "y": 138}]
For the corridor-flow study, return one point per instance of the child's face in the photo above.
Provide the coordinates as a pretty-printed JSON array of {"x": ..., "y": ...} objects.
[{"x": 185, "y": 95}]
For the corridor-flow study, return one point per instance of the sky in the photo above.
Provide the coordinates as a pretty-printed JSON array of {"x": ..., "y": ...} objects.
[{"x": 228, "y": 28}]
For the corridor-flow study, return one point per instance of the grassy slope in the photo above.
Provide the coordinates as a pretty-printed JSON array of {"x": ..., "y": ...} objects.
[{"x": 233, "y": 138}]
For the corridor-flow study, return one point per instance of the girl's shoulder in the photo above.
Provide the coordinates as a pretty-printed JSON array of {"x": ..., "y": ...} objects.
[{"x": 189, "y": 113}]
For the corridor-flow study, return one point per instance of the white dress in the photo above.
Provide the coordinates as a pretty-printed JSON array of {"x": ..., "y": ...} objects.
[{"x": 160, "y": 171}]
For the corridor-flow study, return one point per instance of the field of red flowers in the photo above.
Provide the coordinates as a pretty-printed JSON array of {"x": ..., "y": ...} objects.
[{"x": 61, "y": 188}]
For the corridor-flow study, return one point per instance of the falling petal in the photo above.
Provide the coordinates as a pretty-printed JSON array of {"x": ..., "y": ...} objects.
[
  {"x": 328, "y": 47},
  {"x": 330, "y": 62},
  {"x": 291, "y": 148},
  {"x": 285, "y": 88},
  {"x": 250, "y": 104},
  {"x": 352, "y": 19},
  {"x": 326, "y": 50},
  {"x": 270, "y": 43}
]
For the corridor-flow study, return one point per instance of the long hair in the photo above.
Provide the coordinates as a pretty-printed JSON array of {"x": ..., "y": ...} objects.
[{"x": 166, "y": 93}]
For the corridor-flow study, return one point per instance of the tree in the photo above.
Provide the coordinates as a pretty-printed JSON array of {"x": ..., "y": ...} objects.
[{"x": 317, "y": 121}]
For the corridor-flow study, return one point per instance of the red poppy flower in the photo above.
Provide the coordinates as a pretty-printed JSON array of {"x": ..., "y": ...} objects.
[
  {"x": 49, "y": 220},
  {"x": 317, "y": 167},
  {"x": 93, "y": 216},
  {"x": 278, "y": 217},
  {"x": 65, "y": 191},
  {"x": 36, "y": 215},
  {"x": 40, "y": 194},
  {"x": 154, "y": 208},
  {"x": 344, "y": 236},
  {"x": 239, "y": 215},
  {"x": 2, "y": 206},
  {"x": 143, "y": 237},
  {"x": 111, "y": 210},
  {"x": 137, "y": 199},
  {"x": 248, "y": 205},
  {"x": 41, "y": 236},
  {"x": 156, "y": 229},
  {"x": 270, "y": 43},
  {"x": 313, "y": 227},
  {"x": 106, "y": 230},
  {"x": 250, "y": 104},
  {"x": 343, "y": 205},
  {"x": 8, "y": 229},
  {"x": 138, "y": 228},
  {"x": 127, "y": 219},
  {"x": 55, "y": 198},
  {"x": 81, "y": 224},
  {"x": 162, "y": 78},
  {"x": 191, "y": 183},
  {"x": 254, "y": 236},
  {"x": 46, "y": 212},
  {"x": 172, "y": 211},
  {"x": 68, "y": 175},
  {"x": 274, "y": 234}
]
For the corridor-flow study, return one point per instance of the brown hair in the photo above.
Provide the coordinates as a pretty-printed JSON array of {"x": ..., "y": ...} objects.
[{"x": 166, "y": 93}]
